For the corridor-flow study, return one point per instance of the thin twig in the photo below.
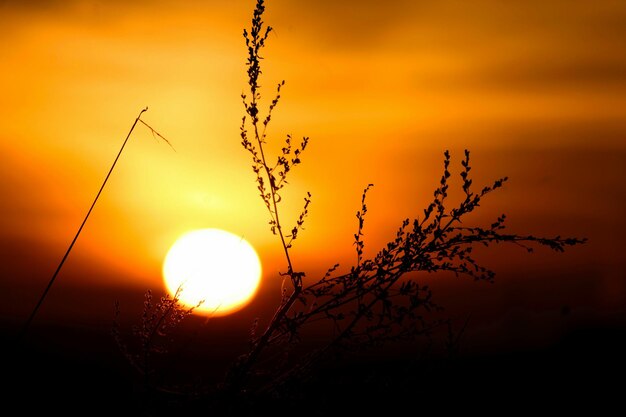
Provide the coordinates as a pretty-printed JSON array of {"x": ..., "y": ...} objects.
[
  {"x": 69, "y": 249},
  {"x": 154, "y": 132}
]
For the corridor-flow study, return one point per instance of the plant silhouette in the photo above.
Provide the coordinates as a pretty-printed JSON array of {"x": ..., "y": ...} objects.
[{"x": 380, "y": 300}]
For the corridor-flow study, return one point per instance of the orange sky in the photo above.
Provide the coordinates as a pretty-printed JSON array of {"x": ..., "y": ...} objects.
[{"x": 536, "y": 90}]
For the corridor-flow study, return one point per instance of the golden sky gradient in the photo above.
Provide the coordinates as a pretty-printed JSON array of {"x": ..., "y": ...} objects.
[{"x": 535, "y": 89}]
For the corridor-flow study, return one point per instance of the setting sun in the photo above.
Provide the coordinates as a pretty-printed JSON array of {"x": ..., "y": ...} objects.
[{"x": 218, "y": 269}]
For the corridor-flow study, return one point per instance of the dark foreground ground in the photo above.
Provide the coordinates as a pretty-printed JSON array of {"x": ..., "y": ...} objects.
[{"x": 585, "y": 369}]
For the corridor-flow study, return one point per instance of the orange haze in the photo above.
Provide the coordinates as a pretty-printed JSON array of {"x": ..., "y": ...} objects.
[{"x": 536, "y": 90}]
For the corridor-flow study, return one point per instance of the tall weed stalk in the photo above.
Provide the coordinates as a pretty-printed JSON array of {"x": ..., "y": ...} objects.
[{"x": 380, "y": 300}]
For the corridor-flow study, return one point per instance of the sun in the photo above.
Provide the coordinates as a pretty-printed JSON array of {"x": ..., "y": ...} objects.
[{"x": 216, "y": 268}]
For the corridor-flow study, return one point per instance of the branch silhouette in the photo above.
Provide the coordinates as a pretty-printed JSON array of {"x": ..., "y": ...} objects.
[
  {"x": 374, "y": 303},
  {"x": 380, "y": 300}
]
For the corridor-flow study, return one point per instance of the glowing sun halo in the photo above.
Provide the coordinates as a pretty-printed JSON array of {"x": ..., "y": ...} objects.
[{"x": 213, "y": 266}]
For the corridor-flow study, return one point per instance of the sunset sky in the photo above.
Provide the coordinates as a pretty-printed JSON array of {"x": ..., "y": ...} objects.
[{"x": 535, "y": 90}]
